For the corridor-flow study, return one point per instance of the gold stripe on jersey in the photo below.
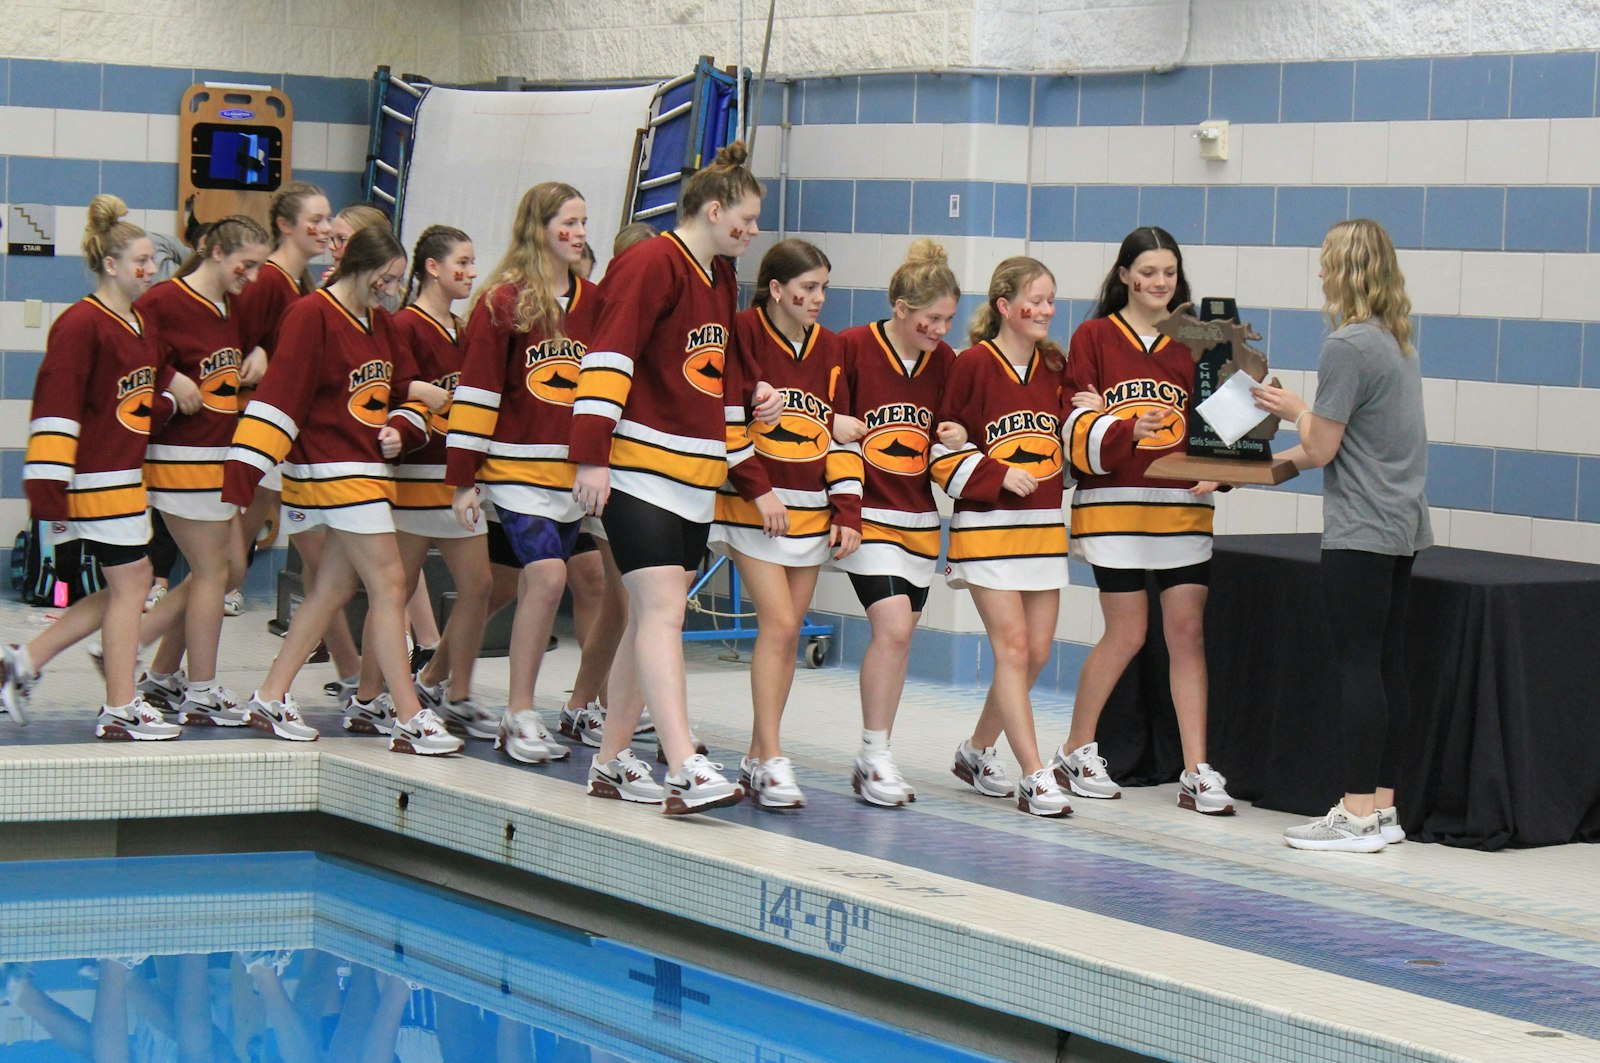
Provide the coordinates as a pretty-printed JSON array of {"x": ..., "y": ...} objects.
[
  {"x": 423, "y": 494},
  {"x": 996, "y": 543},
  {"x": 893, "y": 356},
  {"x": 429, "y": 318},
  {"x": 695, "y": 470},
  {"x": 923, "y": 542},
  {"x": 51, "y": 448},
  {"x": 844, "y": 466},
  {"x": 804, "y": 522},
  {"x": 262, "y": 436},
  {"x": 106, "y": 503},
  {"x": 469, "y": 418},
  {"x": 183, "y": 475},
  {"x": 1140, "y": 518},
  {"x": 333, "y": 494},
  {"x": 604, "y": 383},
  {"x": 298, "y": 287},
  {"x": 536, "y": 472}
]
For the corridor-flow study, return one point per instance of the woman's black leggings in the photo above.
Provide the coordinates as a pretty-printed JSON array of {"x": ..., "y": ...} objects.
[
  {"x": 1366, "y": 595},
  {"x": 163, "y": 549}
]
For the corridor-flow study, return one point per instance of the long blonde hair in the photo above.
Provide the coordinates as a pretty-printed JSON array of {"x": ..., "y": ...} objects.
[
  {"x": 528, "y": 262},
  {"x": 1361, "y": 279},
  {"x": 1010, "y": 277}
]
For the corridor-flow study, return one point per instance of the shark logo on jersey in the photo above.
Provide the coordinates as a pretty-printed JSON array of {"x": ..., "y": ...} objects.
[
  {"x": 706, "y": 351},
  {"x": 369, "y": 393},
  {"x": 553, "y": 370},
  {"x": 1027, "y": 440},
  {"x": 219, "y": 380},
  {"x": 136, "y": 394},
  {"x": 897, "y": 438}
]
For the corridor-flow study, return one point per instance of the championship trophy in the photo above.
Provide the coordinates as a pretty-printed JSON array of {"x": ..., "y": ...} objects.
[{"x": 1221, "y": 349}]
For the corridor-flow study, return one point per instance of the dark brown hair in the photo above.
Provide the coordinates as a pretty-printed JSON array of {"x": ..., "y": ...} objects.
[
  {"x": 1114, "y": 292},
  {"x": 783, "y": 262}
]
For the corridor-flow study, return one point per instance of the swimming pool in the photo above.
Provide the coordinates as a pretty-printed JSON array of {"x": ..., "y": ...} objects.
[{"x": 301, "y": 958}]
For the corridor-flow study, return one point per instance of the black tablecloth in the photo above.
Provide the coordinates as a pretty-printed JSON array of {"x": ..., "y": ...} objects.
[{"x": 1504, "y": 736}]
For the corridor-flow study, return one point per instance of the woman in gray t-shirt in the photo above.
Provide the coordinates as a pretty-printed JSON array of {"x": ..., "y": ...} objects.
[{"x": 1367, "y": 429}]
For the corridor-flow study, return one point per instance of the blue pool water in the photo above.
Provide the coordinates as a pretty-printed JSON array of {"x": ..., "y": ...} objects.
[{"x": 299, "y": 958}]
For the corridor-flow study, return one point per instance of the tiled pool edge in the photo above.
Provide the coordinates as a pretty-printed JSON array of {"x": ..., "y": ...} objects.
[{"x": 1113, "y": 1002}]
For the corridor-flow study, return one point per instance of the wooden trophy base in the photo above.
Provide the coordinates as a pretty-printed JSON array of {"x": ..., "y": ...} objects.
[{"x": 1222, "y": 470}]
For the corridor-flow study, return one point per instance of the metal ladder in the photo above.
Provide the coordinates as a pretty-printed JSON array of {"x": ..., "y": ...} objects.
[{"x": 389, "y": 147}]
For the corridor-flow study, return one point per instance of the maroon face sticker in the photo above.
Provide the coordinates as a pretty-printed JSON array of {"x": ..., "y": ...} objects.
[
  {"x": 460, "y": 275},
  {"x": 736, "y": 233},
  {"x": 922, "y": 328},
  {"x": 1026, "y": 313},
  {"x": 564, "y": 235},
  {"x": 1137, "y": 286},
  {"x": 798, "y": 300}
]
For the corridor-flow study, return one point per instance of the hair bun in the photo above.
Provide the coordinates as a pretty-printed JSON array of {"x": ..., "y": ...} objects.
[
  {"x": 926, "y": 252},
  {"x": 734, "y": 154},
  {"x": 105, "y": 210}
]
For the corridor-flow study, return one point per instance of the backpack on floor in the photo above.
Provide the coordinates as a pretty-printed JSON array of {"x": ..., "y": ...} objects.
[{"x": 43, "y": 574}]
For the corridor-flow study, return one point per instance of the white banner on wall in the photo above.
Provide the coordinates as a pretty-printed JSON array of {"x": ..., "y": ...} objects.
[{"x": 475, "y": 152}]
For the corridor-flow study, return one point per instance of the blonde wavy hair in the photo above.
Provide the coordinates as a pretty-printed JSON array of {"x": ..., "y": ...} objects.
[
  {"x": 528, "y": 262},
  {"x": 1361, "y": 279},
  {"x": 106, "y": 235}
]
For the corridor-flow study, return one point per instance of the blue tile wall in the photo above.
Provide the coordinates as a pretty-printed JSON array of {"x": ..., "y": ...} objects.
[
  {"x": 883, "y": 207},
  {"x": 1464, "y": 219},
  {"x": 1553, "y": 86},
  {"x": 1296, "y": 338},
  {"x": 323, "y": 99},
  {"x": 827, "y": 206},
  {"x": 1391, "y": 90},
  {"x": 342, "y": 188},
  {"x": 1180, "y": 209},
  {"x": 11, "y": 473},
  {"x": 1053, "y": 208},
  {"x": 1010, "y": 210},
  {"x": 1459, "y": 348},
  {"x": 53, "y": 180},
  {"x": 831, "y": 101},
  {"x": 1589, "y": 489},
  {"x": 1248, "y": 92},
  {"x": 1180, "y": 97},
  {"x": 1056, "y": 101},
  {"x": 148, "y": 185},
  {"x": 1318, "y": 92},
  {"x": 1547, "y": 219},
  {"x": 1304, "y": 214},
  {"x": 930, "y": 208},
  {"x": 890, "y": 98},
  {"x": 1111, "y": 99},
  {"x": 1591, "y": 355},
  {"x": 1541, "y": 352},
  {"x": 1460, "y": 477},
  {"x": 769, "y": 213},
  {"x": 62, "y": 279},
  {"x": 1536, "y": 485},
  {"x": 1400, "y": 210},
  {"x": 1105, "y": 214},
  {"x": 1474, "y": 86},
  {"x": 1016, "y": 101},
  {"x": 48, "y": 83},
  {"x": 5, "y": 82},
  {"x": 838, "y": 312},
  {"x": 20, "y": 370},
  {"x": 144, "y": 89},
  {"x": 957, "y": 98},
  {"x": 1241, "y": 214}
]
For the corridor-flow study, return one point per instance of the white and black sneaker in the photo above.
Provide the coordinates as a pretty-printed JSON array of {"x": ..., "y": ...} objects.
[
  {"x": 425, "y": 735},
  {"x": 469, "y": 718},
  {"x": 165, "y": 693},
  {"x": 136, "y": 721},
  {"x": 375, "y": 717},
  {"x": 1083, "y": 771},
  {"x": 1204, "y": 791},
  {"x": 1040, "y": 795},
  {"x": 876, "y": 779},
  {"x": 625, "y": 779},
  {"x": 981, "y": 769},
  {"x": 281, "y": 719},
  {"x": 431, "y": 697},
  {"x": 583, "y": 724},
  {"x": 217, "y": 707},
  {"x": 523, "y": 737},
  {"x": 774, "y": 785},
  {"x": 699, "y": 786}
]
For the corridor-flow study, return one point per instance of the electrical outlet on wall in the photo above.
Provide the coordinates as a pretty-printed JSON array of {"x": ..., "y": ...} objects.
[{"x": 955, "y": 206}]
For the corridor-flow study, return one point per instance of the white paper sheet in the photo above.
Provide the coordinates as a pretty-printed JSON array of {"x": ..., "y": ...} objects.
[{"x": 1231, "y": 410}]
